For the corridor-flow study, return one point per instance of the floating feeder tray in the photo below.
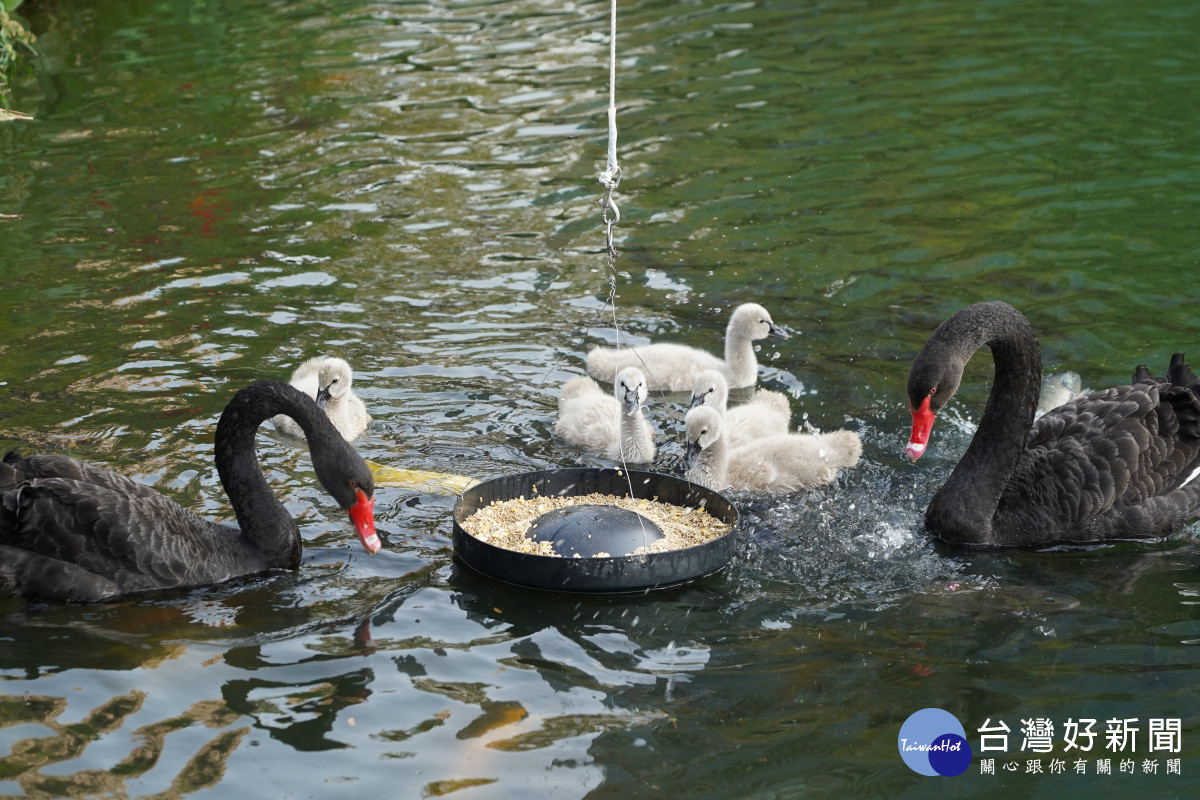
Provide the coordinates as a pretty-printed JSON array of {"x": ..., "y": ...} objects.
[{"x": 580, "y": 532}]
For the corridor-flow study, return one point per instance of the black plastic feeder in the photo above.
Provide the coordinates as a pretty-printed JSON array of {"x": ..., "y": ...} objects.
[{"x": 580, "y": 532}]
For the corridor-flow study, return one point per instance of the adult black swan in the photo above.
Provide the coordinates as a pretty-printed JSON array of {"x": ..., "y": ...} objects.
[
  {"x": 1116, "y": 464},
  {"x": 77, "y": 532}
]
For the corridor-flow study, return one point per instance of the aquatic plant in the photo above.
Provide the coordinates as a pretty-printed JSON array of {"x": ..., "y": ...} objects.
[{"x": 16, "y": 44}]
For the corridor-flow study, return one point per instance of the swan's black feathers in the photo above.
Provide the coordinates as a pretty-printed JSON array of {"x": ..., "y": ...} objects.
[
  {"x": 114, "y": 530},
  {"x": 1090, "y": 465}
]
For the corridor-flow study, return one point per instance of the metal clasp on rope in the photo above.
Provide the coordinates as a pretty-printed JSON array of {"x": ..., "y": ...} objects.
[{"x": 609, "y": 211}]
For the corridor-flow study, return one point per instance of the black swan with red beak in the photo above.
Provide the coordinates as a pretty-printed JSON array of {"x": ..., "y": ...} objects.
[
  {"x": 76, "y": 532},
  {"x": 1118, "y": 464}
]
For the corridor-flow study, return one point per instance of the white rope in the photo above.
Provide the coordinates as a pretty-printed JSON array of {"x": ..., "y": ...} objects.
[{"x": 611, "y": 176}]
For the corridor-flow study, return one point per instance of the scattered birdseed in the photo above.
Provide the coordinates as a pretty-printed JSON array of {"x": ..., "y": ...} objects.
[{"x": 505, "y": 523}]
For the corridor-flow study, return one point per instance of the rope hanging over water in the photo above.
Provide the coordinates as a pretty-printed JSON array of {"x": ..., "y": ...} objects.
[{"x": 611, "y": 176}]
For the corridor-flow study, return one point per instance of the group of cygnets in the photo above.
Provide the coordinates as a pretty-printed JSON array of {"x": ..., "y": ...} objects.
[{"x": 747, "y": 448}]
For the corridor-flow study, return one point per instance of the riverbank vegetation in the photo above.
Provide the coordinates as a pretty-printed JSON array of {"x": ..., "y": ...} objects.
[{"x": 16, "y": 52}]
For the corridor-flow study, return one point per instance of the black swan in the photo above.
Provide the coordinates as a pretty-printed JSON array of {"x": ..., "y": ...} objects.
[
  {"x": 77, "y": 532},
  {"x": 1116, "y": 464}
]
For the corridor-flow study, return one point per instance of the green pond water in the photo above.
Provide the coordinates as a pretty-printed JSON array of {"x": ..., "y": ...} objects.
[{"x": 212, "y": 192}]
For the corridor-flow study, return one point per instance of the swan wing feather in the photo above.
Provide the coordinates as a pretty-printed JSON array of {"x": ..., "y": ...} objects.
[
  {"x": 103, "y": 528},
  {"x": 1110, "y": 465}
]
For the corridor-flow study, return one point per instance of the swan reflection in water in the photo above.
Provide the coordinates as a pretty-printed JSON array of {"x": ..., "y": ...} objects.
[{"x": 27, "y": 757}]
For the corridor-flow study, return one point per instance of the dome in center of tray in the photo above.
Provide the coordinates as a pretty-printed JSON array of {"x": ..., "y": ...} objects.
[{"x": 593, "y": 530}]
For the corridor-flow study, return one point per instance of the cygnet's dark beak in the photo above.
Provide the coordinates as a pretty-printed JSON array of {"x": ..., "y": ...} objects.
[
  {"x": 776, "y": 332},
  {"x": 631, "y": 400},
  {"x": 698, "y": 399},
  {"x": 691, "y": 454},
  {"x": 323, "y": 396}
]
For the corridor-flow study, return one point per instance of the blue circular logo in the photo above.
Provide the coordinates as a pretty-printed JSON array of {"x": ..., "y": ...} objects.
[{"x": 933, "y": 742}]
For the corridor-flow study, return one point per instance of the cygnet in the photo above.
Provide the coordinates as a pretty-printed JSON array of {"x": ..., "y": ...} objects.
[
  {"x": 610, "y": 424},
  {"x": 766, "y": 413},
  {"x": 674, "y": 367},
  {"x": 772, "y": 464},
  {"x": 1058, "y": 388},
  {"x": 329, "y": 381}
]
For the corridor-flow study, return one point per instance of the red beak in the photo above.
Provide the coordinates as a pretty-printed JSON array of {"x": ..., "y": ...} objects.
[
  {"x": 362, "y": 514},
  {"x": 922, "y": 424}
]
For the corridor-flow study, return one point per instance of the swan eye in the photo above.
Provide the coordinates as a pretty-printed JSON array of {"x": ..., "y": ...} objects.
[{"x": 933, "y": 391}]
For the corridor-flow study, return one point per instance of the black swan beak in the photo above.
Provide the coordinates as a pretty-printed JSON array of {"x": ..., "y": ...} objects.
[
  {"x": 362, "y": 514},
  {"x": 922, "y": 424}
]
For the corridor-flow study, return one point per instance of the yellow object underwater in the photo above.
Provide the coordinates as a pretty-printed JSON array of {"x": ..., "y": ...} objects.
[{"x": 419, "y": 479}]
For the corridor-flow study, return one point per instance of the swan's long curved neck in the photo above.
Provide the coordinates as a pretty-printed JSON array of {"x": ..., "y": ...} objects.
[
  {"x": 264, "y": 521},
  {"x": 716, "y": 462},
  {"x": 972, "y": 493},
  {"x": 739, "y": 358},
  {"x": 630, "y": 423}
]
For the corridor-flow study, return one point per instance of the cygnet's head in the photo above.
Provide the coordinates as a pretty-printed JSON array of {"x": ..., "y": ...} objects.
[
  {"x": 710, "y": 389},
  {"x": 630, "y": 389},
  {"x": 752, "y": 321},
  {"x": 703, "y": 430},
  {"x": 333, "y": 380}
]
